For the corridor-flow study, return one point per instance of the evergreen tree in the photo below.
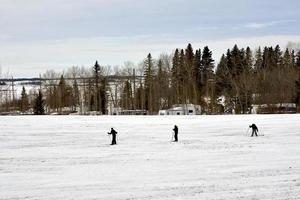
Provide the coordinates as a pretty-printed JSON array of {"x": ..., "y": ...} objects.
[
  {"x": 140, "y": 98},
  {"x": 162, "y": 85},
  {"x": 76, "y": 94},
  {"x": 286, "y": 60},
  {"x": 208, "y": 79},
  {"x": 277, "y": 55},
  {"x": 64, "y": 94},
  {"x": 90, "y": 96},
  {"x": 248, "y": 60},
  {"x": 53, "y": 100},
  {"x": 149, "y": 87},
  {"x": 297, "y": 63},
  {"x": 197, "y": 68},
  {"x": 208, "y": 66},
  {"x": 24, "y": 102},
  {"x": 258, "y": 60},
  {"x": 190, "y": 82},
  {"x": 38, "y": 108},
  {"x": 175, "y": 77},
  {"x": 266, "y": 58},
  {"x": 237, "y": 61},
  {"x": 293, "y": 59},
  {"x": 103, "y": 96},
  {"x": 97, "y": 73},
  {"x": 182, "y": 78},
  {"x": 223, "y": 84},
  {"x": 126, "y": 100},
  {"x": 207, "y": 63}
]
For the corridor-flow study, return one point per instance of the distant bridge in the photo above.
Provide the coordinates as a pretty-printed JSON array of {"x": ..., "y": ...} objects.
[
  {"x": 8, "y": 86},
  {"x": 110, "y": 78}
]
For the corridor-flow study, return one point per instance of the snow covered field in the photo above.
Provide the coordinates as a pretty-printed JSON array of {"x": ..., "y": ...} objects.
[{"x": 69, "y": 157}]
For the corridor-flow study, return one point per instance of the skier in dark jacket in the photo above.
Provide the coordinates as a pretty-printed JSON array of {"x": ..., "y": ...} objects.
[
  {"x": 175, "y": 129},
  {"x": 254, "y": 130},
  {"x": 114, "y": 135}
]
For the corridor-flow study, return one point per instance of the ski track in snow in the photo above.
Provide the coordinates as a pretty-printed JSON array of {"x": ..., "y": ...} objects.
[{"x": 69, "y": 157}]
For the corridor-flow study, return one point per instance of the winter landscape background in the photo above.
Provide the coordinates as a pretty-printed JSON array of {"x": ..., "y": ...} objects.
[{"x": 69, "y": 157}]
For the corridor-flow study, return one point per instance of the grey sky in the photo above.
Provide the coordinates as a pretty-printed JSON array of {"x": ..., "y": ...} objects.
[{"x": 36, "y": 35}]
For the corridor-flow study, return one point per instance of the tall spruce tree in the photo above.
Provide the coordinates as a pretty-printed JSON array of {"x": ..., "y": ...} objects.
[
  {"x": 76, "y": 94},
  {"x": 286, "y": 60},
  {"x": 258, "y": 60},
  {"x": 162, "y": 85},
  {"x": 175, "y": 77},
  {"x": 223, "y": 84},
  {"x": 277, "y": 56},
  {"x": 190, "y": 82},
  {"x": 208, "y": 66},
  {"x": 297, "y": 62},
  {"x": 208, "y": 79},
  {"x": 38, "y": 107},
  {"x": 197, "y": 68},
  {"x": 24, "y": 102},
  {"x": 126, "y": 100},
  {"x": 149, "y": 89},
  {"x": 248, "y": 60},
  {"x": 97, "y": 71},
  {"x": 103, "y": 96},
  {"x": 182, "y": 78}
]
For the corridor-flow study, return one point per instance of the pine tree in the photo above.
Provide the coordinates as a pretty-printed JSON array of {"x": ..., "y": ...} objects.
[
  {"x": 258, "y": 60},
  {"x": 286, "y": 60},
  {"x": 38, "y": 108},
  {"x": 293, "y": 59},
  {"x": 190, "y": 82},
  {"x": 149, "y": 89},
  {"x": 103, "y": 96},
  {"x": 207, "y": 63},
  {"x": 197, "y": 68},
  {"x": 162, "y": 85},
  {"x": 182, "y": 78},
  {"x": 126, "y": 100},
  {"x": 277, "y": 55},
  {"x": 208, "y": 79},
  {"x": 76, "y": 94},
  {"x": 54, "y": 102},
  {"x": 248, "y": 60},
  {"x": 208, "y": 66},
  {"x": 266, "y": 58},
  {"x": 24, "y": 102},
  {"x": 175, "y": 77},
  {"x": 223, "y": 84},
  {"x": 97, "y": 71},
  {"x": 64, "y": 94},
  {"x": 297, "y": 63},
  {"x": 139, "y": 98},
  {"x": 90, "y": 97},
  {"x": 237, "y": 61}
]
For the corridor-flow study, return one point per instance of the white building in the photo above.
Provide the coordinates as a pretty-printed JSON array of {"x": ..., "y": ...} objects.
[{"x": 182, "y": 109}]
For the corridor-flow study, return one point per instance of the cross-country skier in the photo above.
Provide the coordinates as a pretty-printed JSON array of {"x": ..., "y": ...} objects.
[
  {"x": 114, "y": 134},
  {"x": 254, "y": 130},
  {"x": 175, "y": 129}
]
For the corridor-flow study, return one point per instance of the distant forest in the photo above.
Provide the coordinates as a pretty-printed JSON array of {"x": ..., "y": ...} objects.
[{"x": 243, "y": 77}]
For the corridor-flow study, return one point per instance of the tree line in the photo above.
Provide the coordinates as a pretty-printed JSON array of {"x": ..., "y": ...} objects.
[{"x": 242, "y": 78}]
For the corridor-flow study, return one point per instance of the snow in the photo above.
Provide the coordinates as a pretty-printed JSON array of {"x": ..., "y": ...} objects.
[{"x": 69, "y": 157}]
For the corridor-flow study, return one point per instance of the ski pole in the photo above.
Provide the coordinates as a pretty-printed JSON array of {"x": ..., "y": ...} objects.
[
  {"x": 108, "y": 137},
  {"x": 172, "y": 137},
  {"x": 247, "y": 131}
]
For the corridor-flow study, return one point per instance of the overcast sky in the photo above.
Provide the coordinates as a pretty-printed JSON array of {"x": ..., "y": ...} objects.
[{"x": 36, "y": 35}]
